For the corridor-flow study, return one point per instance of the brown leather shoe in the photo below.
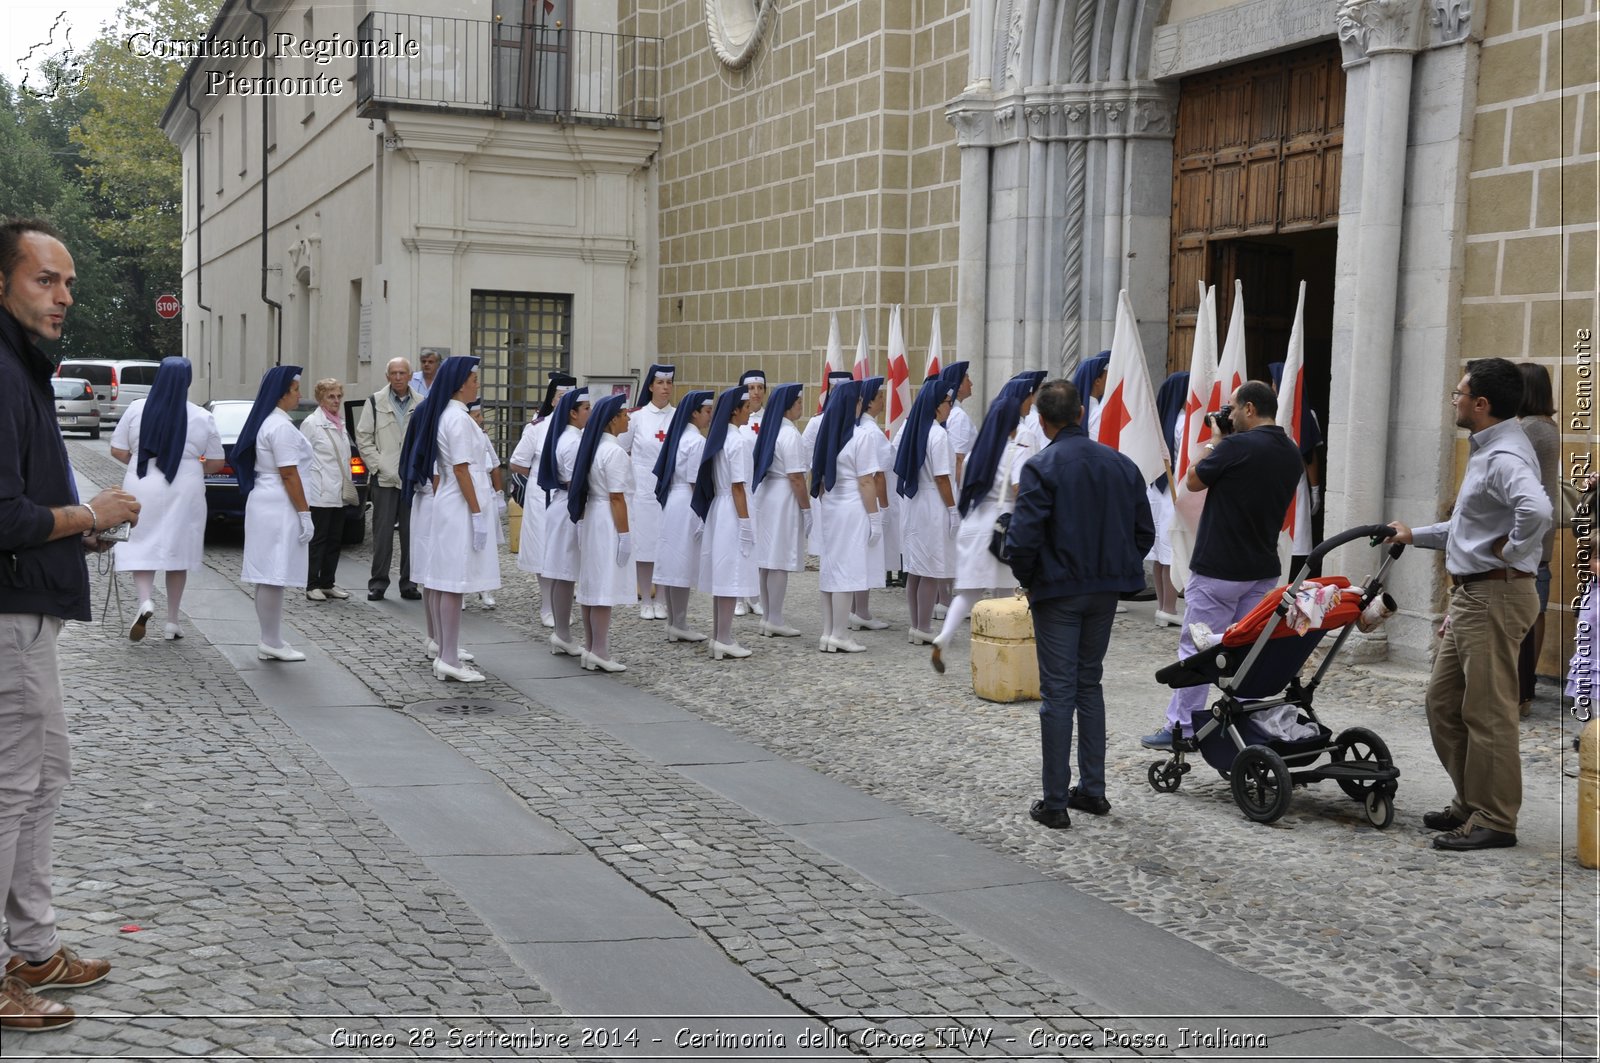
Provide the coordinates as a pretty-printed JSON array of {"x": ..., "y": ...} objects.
[
  {"x": 24, "y": 1010},
  {"x": 65, "y": 970}
]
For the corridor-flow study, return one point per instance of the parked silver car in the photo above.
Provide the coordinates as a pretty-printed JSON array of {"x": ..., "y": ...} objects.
[
  {"x": 118, "y": 383},
  {"x": 77, "y": 410}
]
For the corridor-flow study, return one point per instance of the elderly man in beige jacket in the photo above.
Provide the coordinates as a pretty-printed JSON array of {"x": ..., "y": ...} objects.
[{"x": 380, "y": 433}]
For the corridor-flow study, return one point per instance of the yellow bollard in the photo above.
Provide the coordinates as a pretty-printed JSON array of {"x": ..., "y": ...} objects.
[
  {"x": 514, "y": 518},
  {"x": 1589, "y": 795},
  {"x": 1005, "y": 665}
]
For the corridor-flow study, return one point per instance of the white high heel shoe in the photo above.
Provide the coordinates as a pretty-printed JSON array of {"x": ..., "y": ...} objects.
[
  {"x": 874, "y": 624},
  {"x": 719, "y": 650},
  {"x": 462, "y": 655},
  {"x": 918, "y": 638},
  {"x": 558, "y": 647},
  {"x": 678, "y": 634},
  {"x": 461, "y": 674},
  {"x": 830, "y": 644},
  {"x": 285, "y": 652},
  {"x": 778, "y": 631},
  {"x": 592, "y": 663},
  {"x": 147, "y": 609}
]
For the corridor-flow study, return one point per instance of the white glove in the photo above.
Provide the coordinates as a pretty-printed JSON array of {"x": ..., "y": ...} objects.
[
  {"x": 307, "y": 529},
  {"x": 624, "y": 548},
  {"x": 747, "y": 536},
  {"x": 952, "y": 521},
  {"x": 875, "y": 522},
  {"x": 699, "y": 529},
  {"x": 480, "y": 531},
  {"x": 499, "y": 506},
  {"x": 1316, "y": 497},
  {"x": 806, "y": 519}
]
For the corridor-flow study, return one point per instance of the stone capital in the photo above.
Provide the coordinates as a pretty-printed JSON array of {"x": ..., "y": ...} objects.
[
  {"x": 1451, "y": 22},
  {"x": 1380, "y": 27}
]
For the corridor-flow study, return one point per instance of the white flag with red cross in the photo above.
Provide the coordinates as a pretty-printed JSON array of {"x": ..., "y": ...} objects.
[
  {"x": 1129, "y": 420},
  {"x": 899, "y": 374}
]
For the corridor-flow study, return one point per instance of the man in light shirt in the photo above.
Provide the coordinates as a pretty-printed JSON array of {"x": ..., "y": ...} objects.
[{"x": 1491, "y": 547}]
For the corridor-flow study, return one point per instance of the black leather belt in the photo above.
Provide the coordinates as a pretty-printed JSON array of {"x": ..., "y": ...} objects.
[{"x": 1496, "y": 573}]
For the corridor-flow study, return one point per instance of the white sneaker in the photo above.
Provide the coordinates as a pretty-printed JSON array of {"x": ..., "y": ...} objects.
[
  {"x": 337, "y": 592},
  {"x": 285, "y": 652},
  {"x": 316, "y": 594}
]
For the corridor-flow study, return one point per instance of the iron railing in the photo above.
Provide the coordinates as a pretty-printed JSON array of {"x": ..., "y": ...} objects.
[{"x": 537, "y": 72}]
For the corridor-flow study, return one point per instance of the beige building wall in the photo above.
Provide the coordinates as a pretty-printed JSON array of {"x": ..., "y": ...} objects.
[
  {"x": 1529, "y": 290},
  {"x": 820, "y": 177}
]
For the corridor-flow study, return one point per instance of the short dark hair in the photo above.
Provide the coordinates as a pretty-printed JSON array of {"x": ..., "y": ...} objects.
[
  {"x": 1538, "y": 400},
  {"x": 1499, "y": 381},
  {"x": 11, "y": 233},
  {"x": 1058, "y": 403},
  {"x": 1260, "y": 395}
]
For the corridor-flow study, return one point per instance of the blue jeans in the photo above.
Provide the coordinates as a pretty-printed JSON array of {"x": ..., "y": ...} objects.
[{"x": 1072, "y": 635}]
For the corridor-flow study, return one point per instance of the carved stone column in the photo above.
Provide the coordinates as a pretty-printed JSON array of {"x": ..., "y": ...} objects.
[
  {"x": 972, "y": 121},
  {"x": 1380, "y": 39}
]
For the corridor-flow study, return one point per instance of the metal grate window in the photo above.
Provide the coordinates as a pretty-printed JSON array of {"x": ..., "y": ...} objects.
[{"x": 520, "y": 338}]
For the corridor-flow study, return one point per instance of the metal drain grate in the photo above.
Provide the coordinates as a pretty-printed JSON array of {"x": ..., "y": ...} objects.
[{"x": 464, "y": 708}]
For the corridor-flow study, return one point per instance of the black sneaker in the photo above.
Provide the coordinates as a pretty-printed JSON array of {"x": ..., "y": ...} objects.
[
  {"x": 1054, "y": 818},
  {"x": 1095, "y": 806}
]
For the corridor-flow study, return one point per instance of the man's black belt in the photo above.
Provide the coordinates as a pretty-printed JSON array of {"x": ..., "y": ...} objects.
[{"x": 1495, "y": 573}]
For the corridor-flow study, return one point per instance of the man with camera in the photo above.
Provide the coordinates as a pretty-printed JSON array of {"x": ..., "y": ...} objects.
[
  {"x": 1250, "y": 474},
  {"x": 1077, "y": 541},
  {"x": 44, "y": 531}
]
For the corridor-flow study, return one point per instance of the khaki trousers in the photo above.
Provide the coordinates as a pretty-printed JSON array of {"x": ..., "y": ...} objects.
[
  {"x": 1472, "y": 698},
  {"x": 35, "y": 765}
]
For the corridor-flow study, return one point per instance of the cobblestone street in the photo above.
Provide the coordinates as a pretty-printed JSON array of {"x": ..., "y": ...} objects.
[{"x": 295, "y": 860}]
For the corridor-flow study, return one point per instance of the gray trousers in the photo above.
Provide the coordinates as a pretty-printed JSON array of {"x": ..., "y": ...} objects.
[
  {"x": 35, "y": 764},
  {"x": 387, "y": 515}
]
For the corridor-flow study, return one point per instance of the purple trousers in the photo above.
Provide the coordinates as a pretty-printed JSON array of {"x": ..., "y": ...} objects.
[{"x": 1215, "y": 603}]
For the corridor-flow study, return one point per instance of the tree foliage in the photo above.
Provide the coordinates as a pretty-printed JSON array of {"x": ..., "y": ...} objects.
[{"x": 91, "y": 157}]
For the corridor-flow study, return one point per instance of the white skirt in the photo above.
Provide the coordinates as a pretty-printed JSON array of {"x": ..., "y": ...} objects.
[
  {"x": 678, "y": 552},
  {"x": 976, "y": 567},
  {"x": 1161, "y": 513},
  {"x": 924, "y": 544},
  {"x": 560, "y": 541},
  {"x": 453, "y": 566},
  {"x": 171, "y": 533},
  {"x": 724, "y": 572},
  {"x": 530, "y": 550},
  {"x": 846, "y": 561},
  {"x": 780, "y": 529},
  {"x": 273, "y": 552},
  {"x": 644, "y": 523},
  {"x": 601, "y": 581}
]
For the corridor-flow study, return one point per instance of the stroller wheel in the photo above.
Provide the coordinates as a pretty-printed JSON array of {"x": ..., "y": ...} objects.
[
  {"x": 1357, "y": 745},
  {"x": 1261, "y": 785},
  {"x": 1164, "y": 776},
  {"x": 1380, "y": 808}
]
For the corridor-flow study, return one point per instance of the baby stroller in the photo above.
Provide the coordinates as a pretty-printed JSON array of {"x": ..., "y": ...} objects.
[{"x": 1256, "y": 668}]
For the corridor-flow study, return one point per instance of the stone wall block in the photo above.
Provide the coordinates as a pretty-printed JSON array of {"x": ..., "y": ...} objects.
[
  {"x": 1509, "y": 70},
  {"x": 1531, "y": 265},
  {"x": 1536, "y": 132},
  {"x": 1482, "y": 270},
  {"x": 1499, "y": 203},
  {"x": 1493, "y": 330},
  {"x": 1581, "y": 252},
  {"x": 1552, "y": 325},
  {"x": 1567, "y": 195},
  {"x": 1572, "y": 59},
  {"x": 1489, "y": 140}
]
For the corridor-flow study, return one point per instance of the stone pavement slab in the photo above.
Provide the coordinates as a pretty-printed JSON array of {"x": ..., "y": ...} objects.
[
  {"x": 786, "y": 794},
  {"x": 462, "y": 819}
]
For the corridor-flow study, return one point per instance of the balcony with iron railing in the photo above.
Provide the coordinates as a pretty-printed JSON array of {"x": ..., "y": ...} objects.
[{"x": 502, "y": 69}]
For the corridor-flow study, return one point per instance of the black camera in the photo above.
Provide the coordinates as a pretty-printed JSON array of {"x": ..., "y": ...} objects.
[{"x": 1222, "y": 421}]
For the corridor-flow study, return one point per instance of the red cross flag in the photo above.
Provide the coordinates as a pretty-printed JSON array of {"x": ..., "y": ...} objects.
[
  {"x": 1196, "y": 433},
  {"x": 863, "y": 367},
  {"x": 899, "y": 375},
  {"x": 935, "y": 343},
  {"x": 1129, "y": 421},
  {"x": 1291, "y": 392},
  {"x": 831, "y": 357}
]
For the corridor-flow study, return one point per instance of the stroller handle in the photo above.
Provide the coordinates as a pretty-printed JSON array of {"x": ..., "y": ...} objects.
[{"x": 1365, "y": 531}]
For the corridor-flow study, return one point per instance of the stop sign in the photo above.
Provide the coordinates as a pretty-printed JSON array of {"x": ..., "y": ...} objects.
[{"x": 168, "y": 306}]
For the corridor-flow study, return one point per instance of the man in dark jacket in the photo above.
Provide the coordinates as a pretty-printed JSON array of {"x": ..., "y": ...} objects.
[
  {"x": 44, "y": 582},
  {"x": 1078, "y": 538}
]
